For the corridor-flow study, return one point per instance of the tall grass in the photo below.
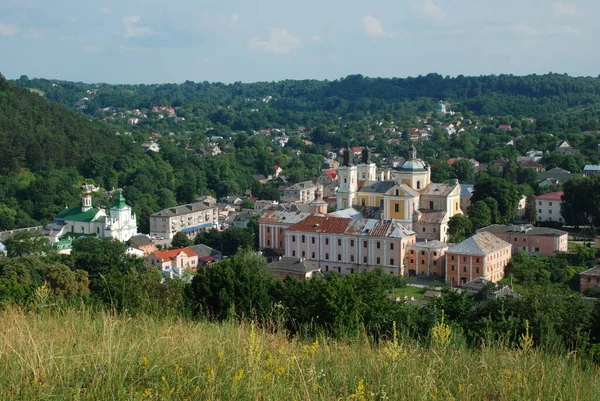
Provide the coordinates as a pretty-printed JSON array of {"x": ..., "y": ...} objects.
[{"x": 78, "y": 355}]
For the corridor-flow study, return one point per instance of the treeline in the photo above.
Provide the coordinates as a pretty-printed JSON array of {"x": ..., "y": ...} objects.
[{"x": 98, "y": 274}]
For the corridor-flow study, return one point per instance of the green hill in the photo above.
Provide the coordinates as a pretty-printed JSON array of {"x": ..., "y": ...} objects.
[
  {"x": 77, "y": 355},
  {"x": 39, "y": 135}
]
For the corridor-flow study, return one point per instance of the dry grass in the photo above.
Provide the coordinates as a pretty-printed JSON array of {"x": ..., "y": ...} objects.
[{"x": 74, "y": 356}]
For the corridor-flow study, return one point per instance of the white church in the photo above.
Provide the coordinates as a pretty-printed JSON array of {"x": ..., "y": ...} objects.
[{"x": 86, "y": 220}]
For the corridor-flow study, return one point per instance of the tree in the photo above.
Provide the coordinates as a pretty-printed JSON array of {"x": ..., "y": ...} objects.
[
  {"x": 459, "y": 227},
  {"x": 181, "y": 240},
  {"x": 26, "y": 243},
  {"x": 506, "y": 194},
  {"x": 247, "y": 204},
  {"x": 530, "y": 209},
  {"x": 581, "y": 201},
  {"x": 493, "y": 206},
  {"x": 480, "y": 215},
  {"x": 464, "y": 170}
]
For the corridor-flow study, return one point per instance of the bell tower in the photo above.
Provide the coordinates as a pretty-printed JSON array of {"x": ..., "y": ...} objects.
[
  {"x": 348, "y": 183},
  {"x": 86, "y": 198}
]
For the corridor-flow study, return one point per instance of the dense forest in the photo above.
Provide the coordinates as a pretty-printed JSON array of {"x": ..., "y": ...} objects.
[{"x": 47, "y": 151}]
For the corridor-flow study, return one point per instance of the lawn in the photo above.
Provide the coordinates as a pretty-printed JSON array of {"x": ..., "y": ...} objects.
[{"x": 409, "y": 291}]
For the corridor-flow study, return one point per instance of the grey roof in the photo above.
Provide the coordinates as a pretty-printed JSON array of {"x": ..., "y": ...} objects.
[
  {"x": 293, "y": 265},
  {"x": 591, "y": 167},
  {"x": 302, "y": 185},
  {"x": 438, "y": 189},
  {"x": 204, "y": 251},
  {"x": 4, "y": 235},
  {"x": 466, "y": 189},
  {"x": 259, "y": 177},
  {"x": 480, "y": 244},
  {"x": 181, "y": 210},
  {"x": 349, "y": 213},
  {"x": 279, "y": 216},
  {"x": 527, "y": 229},
  {"x": 594, "y": 271},
  {"x": 428, "y": 245},
  {"x": 140, "y": 240},
  {"x": 379, "y": 187},
  {"x": 412, "y": 165}
]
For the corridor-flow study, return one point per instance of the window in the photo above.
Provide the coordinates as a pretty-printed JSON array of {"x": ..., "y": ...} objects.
[
  {"x": 326, "y": 268},
  {"x": 339, "y": 242},
  {"x": 268, "y": 229},
  {"x": 381, "y": 203},
  {"x": 351, "y": 242},
  {"x": 435, "y": 262},
  {"x": 312, "y": 240},
  {"x": 396, "y": 207},
  {"x": 391, "y": 261},
  {"x": 412, "y": 261},
  {"x": 339, "y": 269},
  {"x": 378, "y": 245},
  {"x": 303, "y": 239},
  {"x": 418, "y": 184},
  {"x": 549, "y": 203},
  {"x": 313, "y": 255},
  {"x": 339, "y": 256},
  {"x": 397, "y": 193},
  {"x": 268, "y": 242},
  {"x": 477, "y": 270},
  {"x": 293, "y": 253},
  {"x": 422, "y": 261},
  {"x": 435, "y": 230},
  {"x": 293, "y": 238},
  {"x": 423, "y": 229},
  {"x": 326, "y": 241},
  {"x": 365, "y": 244},
  {"x": 281, "y": 244},
  {"x": 303, "y": 254},
  {"x": 539, "y": 210},
  {"x": 540, "y": 203},
  {"x": 465, "y": 269},
  {"x": 550, "y": 211},
  {"x": 326, "y": 256},
  {"x": 537, "y": 249},
  {"x": 364, "y": 259},
  {"x": 351, "y": 258},
  {"x": 391, "y": 246},
  {"x": 464, "y": 258},
  {"x": 477, "y": 260},
  {"x": 378, "y": 261},
  {"x": 281, "y": 231},
  {"x": 452, "y": 267},
  {"x": 452, "y": 257},
  {"x": 431, "y": 205},
  {"x": 435, "y": 254},
  {"x": 422, "y": 253},
  {"x": 97, "y": 230},
  {"x": 362, "y": 202}
]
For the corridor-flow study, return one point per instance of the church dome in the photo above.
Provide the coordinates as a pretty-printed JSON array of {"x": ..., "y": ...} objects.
[{"x": 412, "y": 165}]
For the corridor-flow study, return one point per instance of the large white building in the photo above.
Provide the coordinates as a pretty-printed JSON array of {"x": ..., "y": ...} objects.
[
  {"x": 548, "y": 207},
  {"x": 85, "y": 220},
  {"x": 189, "y": 219}
]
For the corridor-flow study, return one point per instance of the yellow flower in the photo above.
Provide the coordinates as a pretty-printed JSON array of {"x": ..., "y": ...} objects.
[
  {"x": 144, "y": 361},
  {"x": 221, "y": 357},
  {"x": 209, "y": 373},
  {"x": 239, "y": 375}
]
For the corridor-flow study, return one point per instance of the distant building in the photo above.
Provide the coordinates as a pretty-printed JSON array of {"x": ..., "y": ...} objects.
[
  {"x": 190, "y": 219},
  {"x": 298, "y": 268},
  {"x": 151, "y": 146},
  {"x": 143, "y": 243},
  {"x": 271, "y": 228},
  {"x": 427, "y": 258},
  {"x": 533, "y": 240},
  {"x": 302, "y": 192},
  {"x": 206, "y": 254},
  {"x": 589, "y": 279},
  {"x": 182, "y": 258},
  {"x": 482, "y": 255},
  {"x": 590, "y": 169},
  {"x": 243, "y": 219},
  {"x": 548, "y": 207}
]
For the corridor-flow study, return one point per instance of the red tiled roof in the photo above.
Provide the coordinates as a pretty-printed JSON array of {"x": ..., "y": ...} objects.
[
  {"x": 356, "y": 149},
  {"x": 331, "y": 174},
  {"x": 551, "y": 196},
  {"x": 340, "y": 225},
  {"x": 172, "y": 253}
]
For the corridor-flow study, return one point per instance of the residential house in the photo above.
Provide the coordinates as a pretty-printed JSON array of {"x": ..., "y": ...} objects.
[
  {"x": 243, "y": 219},
  {"x": 349, "y": 245},
  {"x": 260, "y": 205},
  {"x": 260, "y": 178},
  {"x": 533, "y": 240},
  {"x": 589, "y": 279},
  {"x": 590, "y": 169},
  {"x": 182, "y": 258},
  {"x": 491, "y": 290},
  {"x": 426, "y": 258},
  {"x": 190, "y": 219},
  {"x": 151, "y": 146},
  {"x": 206, "y": 254},
  {"x": 482, "y": 255},
  {"x": 549, "y": 206},
  {"x": 505, "y": 127},
  {"x": 302, "y": 192},
  {"x": 299, "y": 268},
  {"x": 143, "y": 243}
]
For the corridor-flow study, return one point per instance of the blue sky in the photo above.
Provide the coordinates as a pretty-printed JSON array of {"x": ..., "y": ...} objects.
[{"x": 173, "y": 41}]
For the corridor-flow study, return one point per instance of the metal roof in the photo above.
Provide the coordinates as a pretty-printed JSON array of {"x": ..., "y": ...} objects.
[{"x": 480, "y": 244}]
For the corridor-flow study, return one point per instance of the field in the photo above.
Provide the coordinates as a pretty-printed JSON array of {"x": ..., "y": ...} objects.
[
  {"x": 409, "y": 291},
  {"x": 78, "y": 355}
]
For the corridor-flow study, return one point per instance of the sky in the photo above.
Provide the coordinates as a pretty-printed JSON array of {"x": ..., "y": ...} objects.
[{"x": 269, "y": 40}]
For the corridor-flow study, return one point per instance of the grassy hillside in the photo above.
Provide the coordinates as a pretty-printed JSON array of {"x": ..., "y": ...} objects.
[{"x": 76, "y": 355}]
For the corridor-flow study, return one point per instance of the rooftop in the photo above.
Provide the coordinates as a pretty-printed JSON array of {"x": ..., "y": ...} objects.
[
  {"x": 428, "y": 245},
  {"x": 551, "y": 196},
  {"x": 594, "y": 271},
  {"x": 439, "y": 189},
  {"x": 366, "y": 227},
  {"x": 527, "y": 229},
  {"x": 293, "y": 265},
  {"x": 140, "y": 240},
  {"x": 181, "y": 210},
  {"x": 77, "y": 214},
  {"x": 301, "y": 185},
  {"x": 480, "y": 244},
  {"x": 379, "y": 187},
  {"x": 285, "y": 217},
  {"x": 171, "y": 254}
]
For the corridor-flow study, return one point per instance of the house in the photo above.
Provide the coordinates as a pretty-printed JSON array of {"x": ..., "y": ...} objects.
[
  {"x": 260, "y": 178},
  {"x": 271, "y": 228},
  {"x": 243, "y": 219},
  {"x": 302, "y": 192},
  {"x": 299, "y": 268},
  {"x": 182, "y": 258},
  {"x": 349, "y": 245},
  {"x": 206, "y": 254},
  {"x": 189, "y": 219},
  {"x": 264, "y": 204},
  {"x": 549, "y": 206},
  {"x": 500, "y": 163},
  {"x": 482, "y": 255},
  {"x": 590, "y": 169},
  {"x": 505, "y": 127},
  {"x": 491, "y": 290},
  {"x": 426, "y": 258},
  {"x": 134, "y": 252},
  {"x": 589, "y": 279},
  {"x": 278, "y": 170},
  {"x": 143, "y": 243},
  {"x": 151, "y": 146},
  {"x": 533, "y": 240}
]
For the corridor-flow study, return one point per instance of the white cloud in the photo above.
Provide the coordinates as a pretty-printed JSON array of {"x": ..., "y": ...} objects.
[
  {"x": 525, "y": 29},
  {"x": 563, "y": 9},
  {"x": 132, "y": 30},
  {"x": 234, "y": 20},
  {"x": 279, "y": 41},
  {"x": 317, "y": 39},
  {"x": 430, "y": 10},
  {"x": 8, "y": 30},
  {"x": 373, "y": 27}
]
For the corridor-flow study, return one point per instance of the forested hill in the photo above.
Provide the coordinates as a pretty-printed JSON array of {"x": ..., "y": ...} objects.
[
  {"x": 533, "y": 95},
  {"x": 39, "y": 135}
]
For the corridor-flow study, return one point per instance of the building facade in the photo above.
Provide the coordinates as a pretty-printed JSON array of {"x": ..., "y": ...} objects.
[
  {"x": 589, "y": 279},
  {"x": 533, "y": 240},
  {"x": 190, "y": 219},
  {"x": 298, "y": 268},
  {"x": 271, "y": 228},
  {"x": 427, "y": 258},
  {"x": 348, "y": 245},
  {"x": 302, "y": 192},
  {"x": 548, "y": 207},
  {"x": 482, "y": 255},
  {"x": 181, "y": 258}
]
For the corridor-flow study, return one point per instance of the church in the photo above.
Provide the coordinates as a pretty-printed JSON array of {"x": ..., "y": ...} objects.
[
  {"x": 404, "y": 194},
  {"x": 85, "y": 220}
]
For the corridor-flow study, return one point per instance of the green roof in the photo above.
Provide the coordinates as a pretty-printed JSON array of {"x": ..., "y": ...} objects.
[
  {"x": 76, "y": 214},
  {"x": 120, "y": 202}
]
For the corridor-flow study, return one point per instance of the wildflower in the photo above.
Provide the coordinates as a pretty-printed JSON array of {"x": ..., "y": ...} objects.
[
  {"x": 314, "y": 347},
  {"x": 221, "y": 357},
  {"x": 144, "y": 361},
  {"x": 360, "y": 392},
  {"x": 526, "y": 340},
  {"x": 147, "y": 393},
  {"x": 441, "y": 333},
  {"x": 460, "y": 388},
  {"x": 209, "y": 373},
  {"x": 239, "y": 375}
]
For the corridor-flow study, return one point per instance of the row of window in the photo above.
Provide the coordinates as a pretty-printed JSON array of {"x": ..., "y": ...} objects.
[
  {"x": 412, "y": 252},
  {"x": 452, "y": 267},
  {"x": 339, "y": 242},
  {"x": 339, "y": 257}
]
